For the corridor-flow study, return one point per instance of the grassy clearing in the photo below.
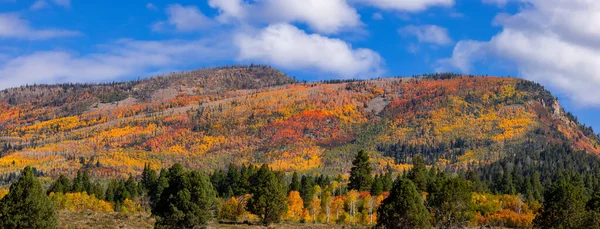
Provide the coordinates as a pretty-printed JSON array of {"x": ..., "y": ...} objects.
[{"x": 76, "y": 220}]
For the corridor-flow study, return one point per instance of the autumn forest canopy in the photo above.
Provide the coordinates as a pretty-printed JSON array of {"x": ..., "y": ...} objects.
[{"x": 249, "y": 144}]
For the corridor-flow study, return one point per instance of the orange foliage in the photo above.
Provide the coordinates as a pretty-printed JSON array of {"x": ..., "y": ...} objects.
[
  {"x": 502, "y": 210},
  {"x": 3, "y": 193},
  {"x": 295, "y": 206}
]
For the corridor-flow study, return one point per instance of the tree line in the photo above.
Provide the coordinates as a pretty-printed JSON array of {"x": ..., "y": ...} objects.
[{"x": 422, "y": 197}]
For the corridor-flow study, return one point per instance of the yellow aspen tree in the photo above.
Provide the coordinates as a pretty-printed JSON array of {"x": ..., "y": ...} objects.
[{"x": 295, "y": 206}]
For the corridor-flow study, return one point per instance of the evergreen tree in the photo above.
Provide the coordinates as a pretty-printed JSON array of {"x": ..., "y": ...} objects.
[
  {"x": 476, "y": 184},
  {"x": 538, "y": 188},
  {"x": 218, "y": 180},
  {"x": 62, "y": 185},
  {"x": 26, "y": 205},
  {"x": 507, "y": 185},
  {"x": 268, "y": 195},
  {"x": 295, "y": 184},
  {"x": 82, "y": 183},
  {"x": 109, "y": 194},
  {"x": 189, "y": 201},
  {"x": 233, "y": 181},
  {"x": 246, "y": 172},
  {"x": 307, "y": 190},
  {"x": 450, "y": 201},
  {"x": 404, "y": 208},
  {"x": 117, "y": 192},
  {"x": 132, "y": 186},
  {"x": 360, "y": 175},
  {"x": 387, "y": 181},
  {"x": 98, "y": 191},
  {"x": 528, "y": 190},
  {"x": 149, "y": 177},
  {"x": 78, "y": 183},
  {"x": 564, "y": 206},
  {"x": 157, "y": 188},
  {"x": 377, "y": 186},
  {"x": 418, "y": 173},
  {"x": 433, "y": 175},
  {"x": 593, "y": 209}
]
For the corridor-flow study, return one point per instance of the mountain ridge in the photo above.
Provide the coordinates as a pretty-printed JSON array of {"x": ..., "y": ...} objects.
[{"x": 207, "y": 118}]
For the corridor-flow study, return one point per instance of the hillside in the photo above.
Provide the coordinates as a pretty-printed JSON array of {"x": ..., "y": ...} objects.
[{"x": 208, "y": 118}]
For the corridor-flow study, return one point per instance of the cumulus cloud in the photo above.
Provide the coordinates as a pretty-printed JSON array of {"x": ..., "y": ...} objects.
[
  {"x": 331, "y": 16},
  {"x": 12, "y": 26},
  {"x": 184, "y": 19},
  {"x": 289, "y": 47},
  {"x": 428, "y": 34},
  {"x": 406, "y": 5},
  {"x": 554, "y": 42},
  {"x": 230, "y": 10},
  {"x": 124, "y": 58}
]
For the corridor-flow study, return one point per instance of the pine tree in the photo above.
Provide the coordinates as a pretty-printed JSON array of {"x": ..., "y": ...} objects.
[
  {"x": 189, "y": 201},
  {"x": 476, "y": 184},
  {"x": 62, "y": 185},
  {"x": 377, "y": 186},
  {"x": 26, "y": 205},
  {"x": 98, "y": 191},
  {"x": 404, "y": 208},
  {"x": 268, "y": 195},
  {"x": 450, "y": 201},
  {"x": 246, "y": 172},
  {"x": 233, "y": 181},
  {"x": 88, "y": 187},
  {"x": 82, "y": 183},
  {"x": 418, "y": 173},
  {"x": 593, "y": 209},
  {"x": 132, "y": 186},
  {"x": 78, "y": 183},
  {"x": 360, "y": 175},
  {"x": 507, "y": 185},
  {"x": 538, "y": 188},
  {"x": 387, "y": 181},
  {"x": 295, "y": 184},
  {"x": 218, "y": 180},
  {"x": 157, "y": 188},
  {"x": 149, "y": 177},
  {"x": 564, "y": 206},
  {"x": 306, "y": 190}
]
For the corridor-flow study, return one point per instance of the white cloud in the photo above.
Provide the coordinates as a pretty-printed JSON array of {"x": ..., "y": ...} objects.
[
  {"x": 12, "y": 26},
  {"x": 124, "y": 58},
  {"x": 462, "y": 57},
  {"x": 554, "y": 42},
  {"x": 428, "y": 34},
  {"x": 406, "y": 5},
  {"x": 331, "y": 16},
  {"x": 39, "y": 4},
  {"x": 289, "y": 47},
  {"x": 229, "y": 10},
  {"x": 184, "y": 19}
]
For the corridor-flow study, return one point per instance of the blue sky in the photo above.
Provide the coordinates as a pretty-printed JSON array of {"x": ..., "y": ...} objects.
[{"x": 553, "y": 42}]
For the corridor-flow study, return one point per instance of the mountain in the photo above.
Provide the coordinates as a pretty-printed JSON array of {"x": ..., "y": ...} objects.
[{"x": 208, "y": 118}]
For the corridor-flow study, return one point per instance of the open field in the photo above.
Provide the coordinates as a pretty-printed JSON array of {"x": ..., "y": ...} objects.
[{"x": 77, "y": 220}]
